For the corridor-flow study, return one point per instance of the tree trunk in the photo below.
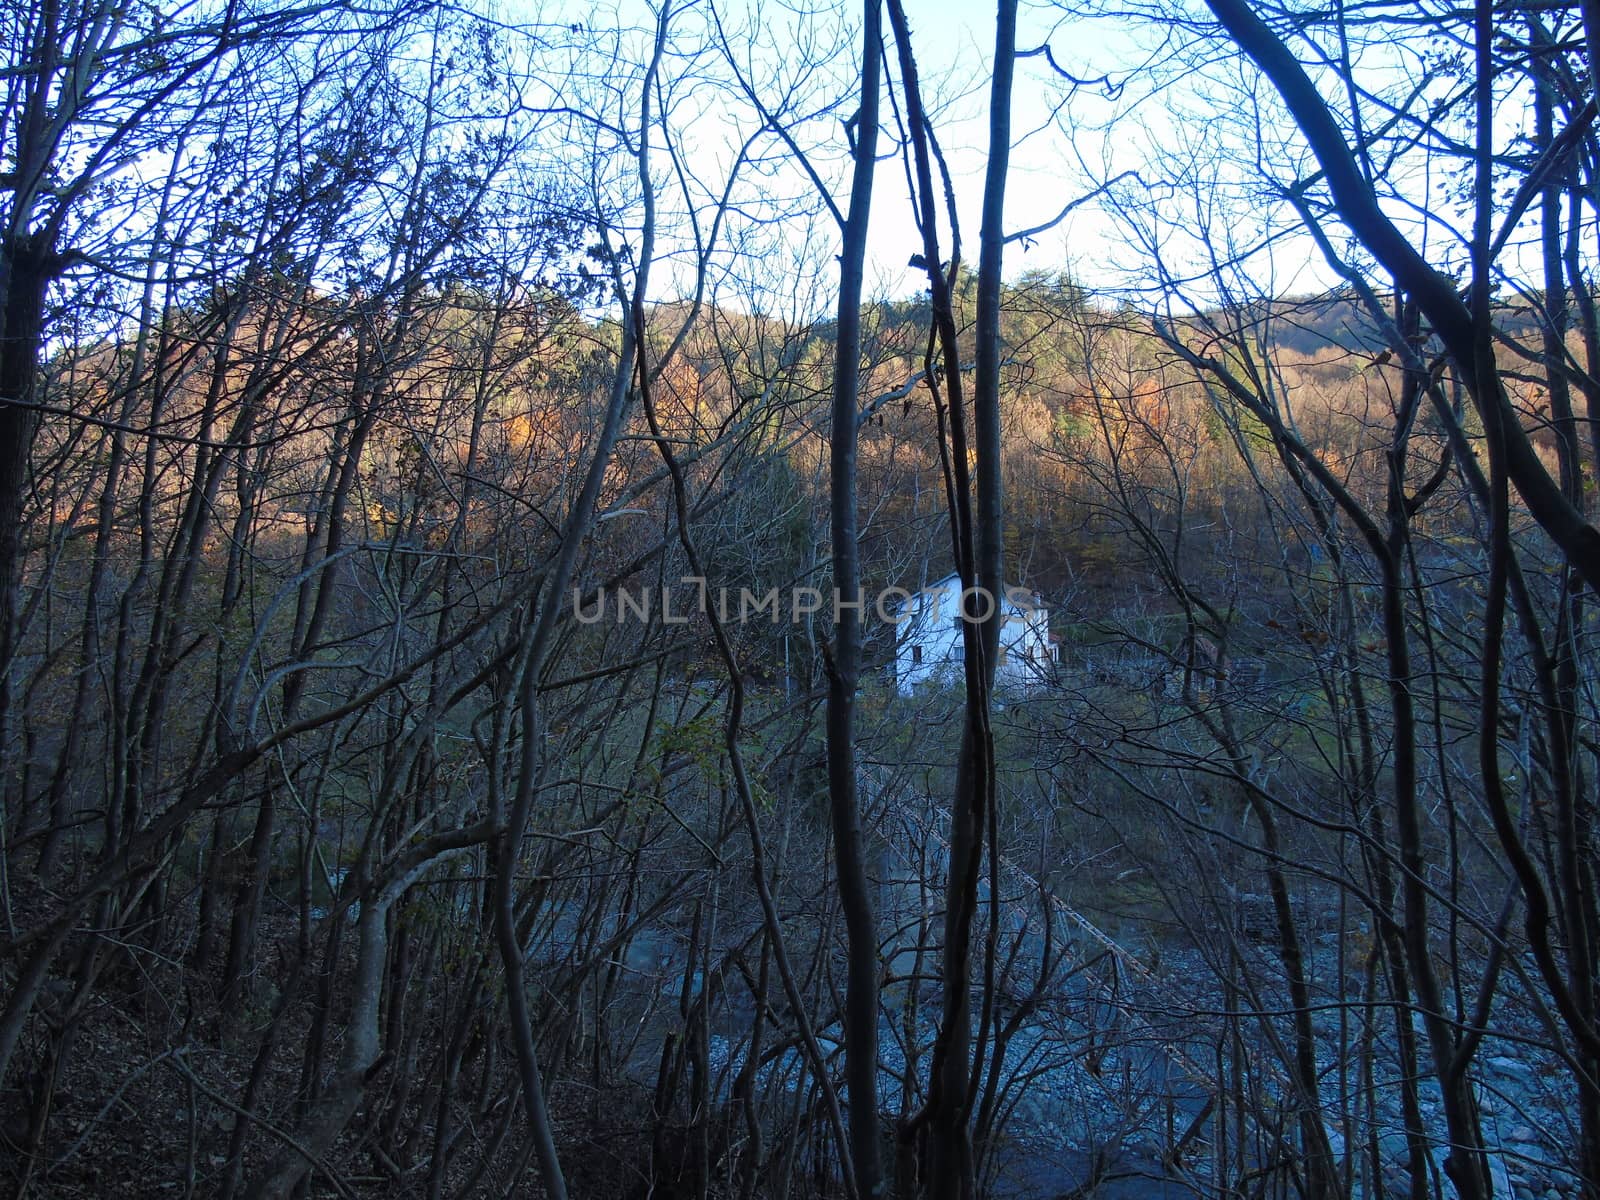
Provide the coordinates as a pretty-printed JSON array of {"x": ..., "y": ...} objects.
[
  {"x": 855, "y": 894},
  {"x": 26, "y": 265}
]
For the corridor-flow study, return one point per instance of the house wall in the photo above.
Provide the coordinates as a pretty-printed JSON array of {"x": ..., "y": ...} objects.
[{"x": 929, "y": 645}]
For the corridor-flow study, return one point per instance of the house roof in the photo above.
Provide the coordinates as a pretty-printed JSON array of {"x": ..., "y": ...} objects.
[{"x": 954, "y": 578}]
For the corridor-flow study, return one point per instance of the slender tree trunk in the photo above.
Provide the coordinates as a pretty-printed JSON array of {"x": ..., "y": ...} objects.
[
  {"x": 855, "y": 894},
  {"x": 977, "y": 546},
  {"x": 25, "y": 272}
]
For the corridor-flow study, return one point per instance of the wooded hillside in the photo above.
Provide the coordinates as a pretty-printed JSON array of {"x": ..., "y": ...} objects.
[{"x": 455, "y": 468}]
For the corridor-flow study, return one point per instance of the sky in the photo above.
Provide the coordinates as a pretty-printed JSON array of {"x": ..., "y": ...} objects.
[
  {"x": 1192, "y": 135},
  {"x": 954, "y": 46},
  {"x": 1063, "y": 146}
]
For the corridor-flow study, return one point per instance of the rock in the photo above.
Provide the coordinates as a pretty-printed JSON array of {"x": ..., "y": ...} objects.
[
  {"x": 1509, "y": 1066},
  {"x": 1523, "y": 1133}
]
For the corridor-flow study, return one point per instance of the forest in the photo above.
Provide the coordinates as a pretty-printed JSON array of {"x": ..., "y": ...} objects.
[{"x": 453, "y": 460}]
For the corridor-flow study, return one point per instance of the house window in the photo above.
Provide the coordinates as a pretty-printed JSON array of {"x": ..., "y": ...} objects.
[{"x": 916, "y": 654}]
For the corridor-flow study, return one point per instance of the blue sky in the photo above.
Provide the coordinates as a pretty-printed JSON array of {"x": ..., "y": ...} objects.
[{"x": 1203, "y": 131}]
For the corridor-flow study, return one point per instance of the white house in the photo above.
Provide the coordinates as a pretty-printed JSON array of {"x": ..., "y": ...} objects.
[{"x": 929, "y": 643}]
